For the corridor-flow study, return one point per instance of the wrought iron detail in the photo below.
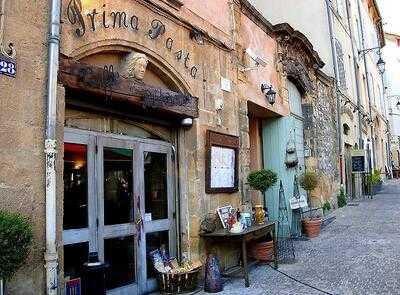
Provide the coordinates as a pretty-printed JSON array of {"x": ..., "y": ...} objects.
[
  {"x": 159, "y": 98},
  {"x": 286, "y": 252},
  {"x": 106, "y": 79},
  {"x": 10, "y": 52}
]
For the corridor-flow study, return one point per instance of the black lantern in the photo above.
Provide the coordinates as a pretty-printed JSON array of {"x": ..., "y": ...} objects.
[
  {"x": 270, "y": 94},
  {"x": 381, "y": 65},
  {"x": 398, "y": 104}
]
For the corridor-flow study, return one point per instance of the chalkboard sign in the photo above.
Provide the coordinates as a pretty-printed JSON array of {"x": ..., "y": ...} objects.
[{"x": 358, "y": 163}]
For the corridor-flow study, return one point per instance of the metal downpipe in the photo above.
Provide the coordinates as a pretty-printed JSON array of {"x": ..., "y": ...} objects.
[{"x": 51, "y": 256}]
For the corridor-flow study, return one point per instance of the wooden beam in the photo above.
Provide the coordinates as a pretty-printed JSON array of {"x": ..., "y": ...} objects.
[{"x": 103, "y": 82}]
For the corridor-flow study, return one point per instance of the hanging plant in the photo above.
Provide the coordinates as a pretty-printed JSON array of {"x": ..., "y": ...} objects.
[
  {"x": 262, "y": 180},
  {"x": 15, "y": 243}
]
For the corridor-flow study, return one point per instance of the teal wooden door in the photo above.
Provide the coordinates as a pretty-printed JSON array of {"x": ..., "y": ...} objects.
[{"x": 276, "y": 134}]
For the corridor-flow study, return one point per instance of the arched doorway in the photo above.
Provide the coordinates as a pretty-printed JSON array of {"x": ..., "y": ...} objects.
[{"x": 119, "y": 182}]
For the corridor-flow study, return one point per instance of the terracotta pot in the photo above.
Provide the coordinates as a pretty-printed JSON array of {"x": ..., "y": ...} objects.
[
  {"x": 312, "y": 227},
  {"x": 263, "y": 251}
]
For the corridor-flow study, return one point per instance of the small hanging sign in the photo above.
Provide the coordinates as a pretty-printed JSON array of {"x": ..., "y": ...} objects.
[
  {"x": 8, "y": 67},
  {"x": 296, "y": 203}
]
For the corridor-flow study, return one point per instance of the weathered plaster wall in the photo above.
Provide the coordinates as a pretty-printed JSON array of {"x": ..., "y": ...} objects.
[{"x": 22, "y": 117}]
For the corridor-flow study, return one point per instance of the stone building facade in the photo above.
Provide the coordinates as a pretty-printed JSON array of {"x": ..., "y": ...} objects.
[{"x": 141, "y": 84}]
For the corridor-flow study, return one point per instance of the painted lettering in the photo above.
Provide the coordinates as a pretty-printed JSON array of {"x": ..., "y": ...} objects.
[
  {"x": 193, "y": 72},
  {"x": 135, "y": 23},
  {"x": 187, "y": 58},
  {"x": 105, "y": 25},
  {"x": 121, "y": 17},
  {"x": 74, "y": 15},
  {"x": 92, "y": 17}
]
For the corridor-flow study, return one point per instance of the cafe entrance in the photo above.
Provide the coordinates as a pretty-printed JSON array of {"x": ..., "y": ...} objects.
[{"x": 119, "y": 202}]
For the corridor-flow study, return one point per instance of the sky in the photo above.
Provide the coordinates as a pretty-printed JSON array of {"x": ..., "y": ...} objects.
[{"x": 390, "y": 11}]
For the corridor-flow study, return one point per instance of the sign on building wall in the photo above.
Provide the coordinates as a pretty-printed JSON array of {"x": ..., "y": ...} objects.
[
  {"x": 8, "y": 67},
  {"x": 358, "y": 161}
]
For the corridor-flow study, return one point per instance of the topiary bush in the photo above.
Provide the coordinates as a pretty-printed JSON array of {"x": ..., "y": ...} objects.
[
  {"x": 15, "y": 243},
  {"x": 341, "y": 199},
  {"x": 326, "y": 206},
  {"x": 309, "y": 180},
  {"x": 262, "y": 180}
]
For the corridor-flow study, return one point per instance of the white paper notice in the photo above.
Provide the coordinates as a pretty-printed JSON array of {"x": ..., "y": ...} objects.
[{"x": 222, "y": 167}]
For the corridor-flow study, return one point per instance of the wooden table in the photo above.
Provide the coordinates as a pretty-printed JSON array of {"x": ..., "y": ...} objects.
[{"x": 249, "y": 234}]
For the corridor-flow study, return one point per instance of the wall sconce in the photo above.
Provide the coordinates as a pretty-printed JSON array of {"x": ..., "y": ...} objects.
[
  {"x": 269, "y": 92},
  {"x": 187, "y": 122},
  {"x": 381, "y": 65}
]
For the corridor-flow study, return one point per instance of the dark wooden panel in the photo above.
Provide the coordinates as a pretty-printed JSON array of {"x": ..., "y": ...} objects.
[{"x": 107, "y": 84}]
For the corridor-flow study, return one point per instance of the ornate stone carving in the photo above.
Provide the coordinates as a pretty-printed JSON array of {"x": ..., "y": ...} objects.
[{"x": 135, "y": 66}]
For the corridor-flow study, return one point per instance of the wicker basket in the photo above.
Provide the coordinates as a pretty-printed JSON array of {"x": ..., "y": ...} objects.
[{"x": 170, "y": 283}]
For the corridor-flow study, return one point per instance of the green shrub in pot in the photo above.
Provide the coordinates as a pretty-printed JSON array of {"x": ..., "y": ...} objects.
[
  {"x": 262, "y": 180},
  {"x": 15, "y": 243}
]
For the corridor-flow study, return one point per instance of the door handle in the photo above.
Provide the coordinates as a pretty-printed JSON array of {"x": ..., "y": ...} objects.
[{"x": 139, "y": 220}]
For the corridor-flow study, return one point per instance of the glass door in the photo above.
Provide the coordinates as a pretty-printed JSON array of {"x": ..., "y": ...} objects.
[
  {"x": 119, "y": 202},
  {"x": 156, "y": 179},
  {"x": 117, "y": 232}
]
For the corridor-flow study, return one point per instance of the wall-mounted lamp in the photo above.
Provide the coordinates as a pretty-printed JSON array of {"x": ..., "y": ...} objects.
[
  {"x": 381, "y": 65},
  {"x": 187, "y": 122},
  {"x": 269, "y": 92}
]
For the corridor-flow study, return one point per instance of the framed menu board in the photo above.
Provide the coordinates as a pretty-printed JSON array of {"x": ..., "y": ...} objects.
[{"x": 221, "y": 163}]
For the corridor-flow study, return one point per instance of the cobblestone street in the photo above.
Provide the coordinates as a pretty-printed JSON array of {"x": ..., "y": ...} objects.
[{"x": 358, "y": 253}]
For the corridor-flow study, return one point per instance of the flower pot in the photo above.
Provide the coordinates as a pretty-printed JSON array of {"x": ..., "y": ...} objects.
[
  {"x": 263, "y": 251},
  {"x": 312, "y": 227}
]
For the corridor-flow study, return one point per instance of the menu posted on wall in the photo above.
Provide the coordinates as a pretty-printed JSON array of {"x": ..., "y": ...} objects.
[
  {"x": 358, "y": 161},
  {"x": 222, "y": 167}
]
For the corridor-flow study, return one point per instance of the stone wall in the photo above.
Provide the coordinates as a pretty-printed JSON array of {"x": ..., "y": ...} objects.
[{"x": 22, "y": 128}]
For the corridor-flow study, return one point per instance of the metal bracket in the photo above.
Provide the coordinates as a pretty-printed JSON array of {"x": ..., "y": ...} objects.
[{"x": 365, "y": 51}]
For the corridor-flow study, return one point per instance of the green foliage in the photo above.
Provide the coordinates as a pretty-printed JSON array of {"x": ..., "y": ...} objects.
[
  {"x": 375, "y": 177},
  {"x": 15, "y": 242},
  {"x": 262, "y": 180},
  {"x": 309, "y": 180},
  {"x": 341, "y": 199},
  {"x": 326, "y": 206}
]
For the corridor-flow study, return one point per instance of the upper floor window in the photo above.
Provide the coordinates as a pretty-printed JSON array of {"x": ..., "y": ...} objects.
[{"x": 341, "y": 66}]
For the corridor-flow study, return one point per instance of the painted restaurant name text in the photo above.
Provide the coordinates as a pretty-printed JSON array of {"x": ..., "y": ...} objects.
[{"x": 121, "y": 20}]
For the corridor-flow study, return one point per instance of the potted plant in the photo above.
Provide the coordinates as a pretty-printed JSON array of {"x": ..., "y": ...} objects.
[
  {"x": 375, "y": 181},
  {"x": 15, "y": 243},
  {"x": 311, "y": 224},
  {"x": 262, "y": 180}
]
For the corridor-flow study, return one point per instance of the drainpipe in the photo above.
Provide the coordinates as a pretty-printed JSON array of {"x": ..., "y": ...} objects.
[
  {"x": 356, "y": 72},
  {"x": 367, "y": 79},
  {"x": 336, "y": 70},
  {"x": 51, "y": 256}
]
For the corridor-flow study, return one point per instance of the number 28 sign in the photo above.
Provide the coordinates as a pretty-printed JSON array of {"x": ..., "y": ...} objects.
[{"x": 8, "y": 67}]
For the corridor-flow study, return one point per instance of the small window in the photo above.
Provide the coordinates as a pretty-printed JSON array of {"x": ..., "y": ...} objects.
[{"x": 346, "y": 129}]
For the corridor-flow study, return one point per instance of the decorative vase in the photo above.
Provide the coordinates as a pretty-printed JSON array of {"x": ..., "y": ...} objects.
[
  {"x": 213, "y": 277},
  {"x": 312, "y": 227},
  {"x": 259, "y": 215}
]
